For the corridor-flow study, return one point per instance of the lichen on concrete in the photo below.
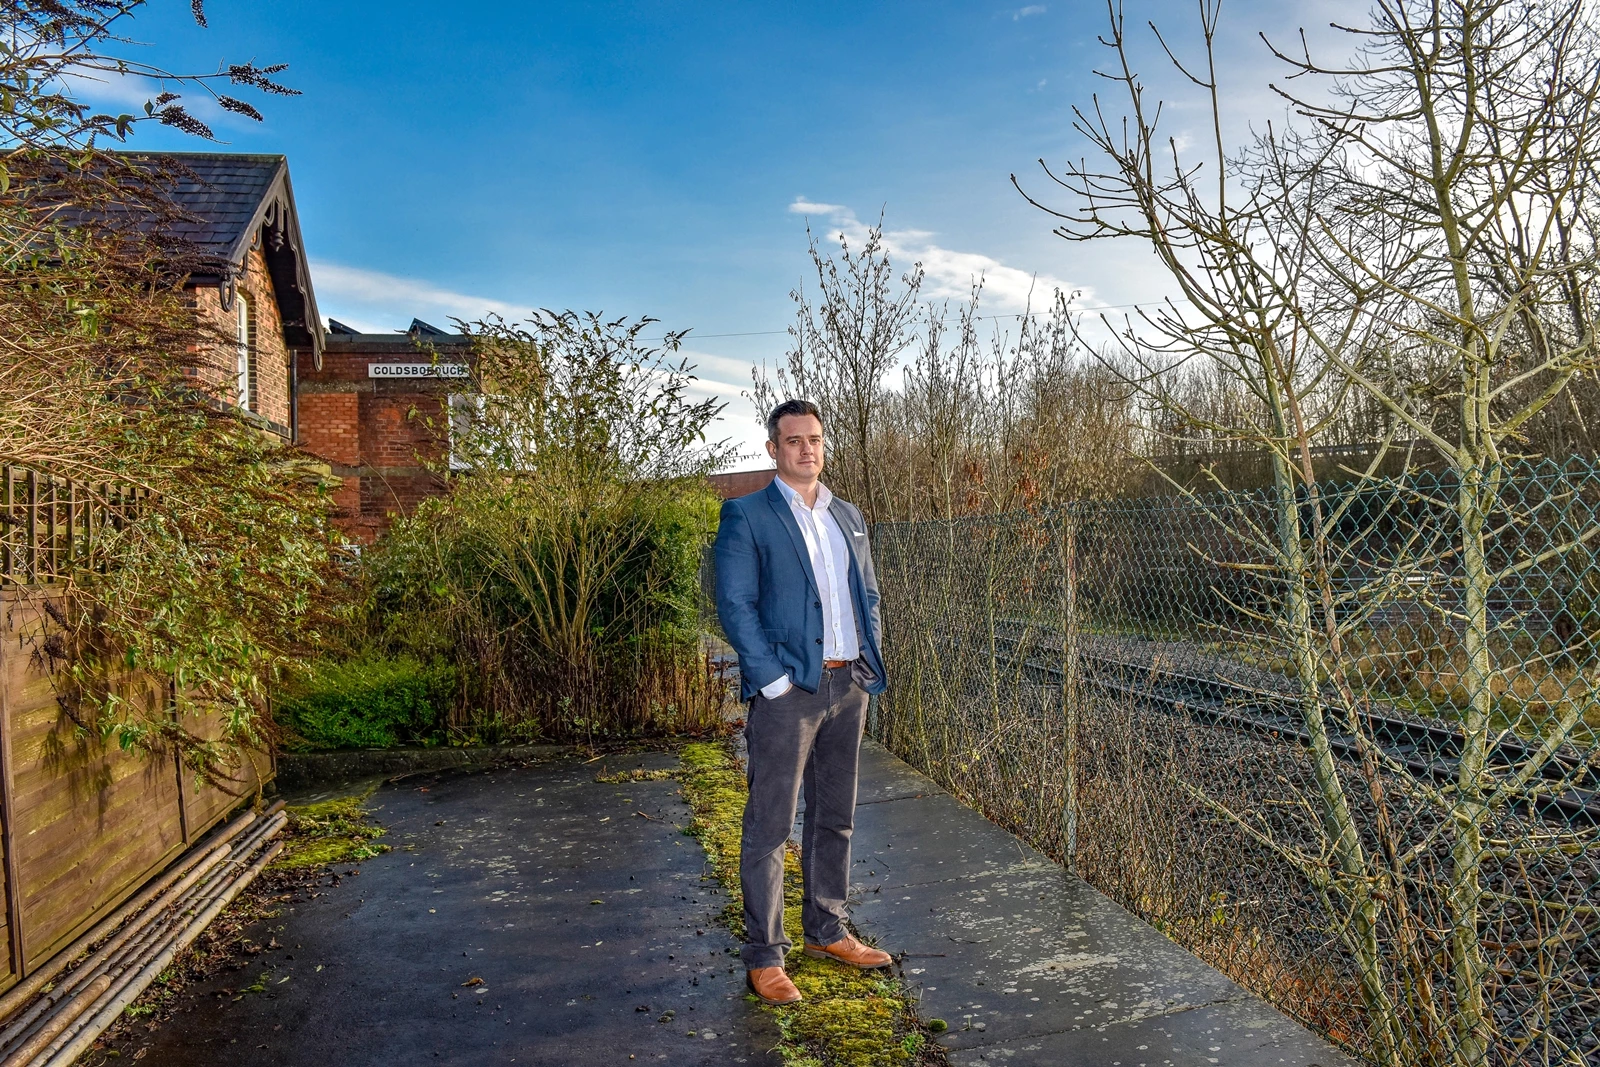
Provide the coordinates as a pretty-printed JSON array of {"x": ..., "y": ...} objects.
[
  {"x": 848, "y": 1018},
  {"x": 329, "y": 832},
  {"x": 638, "y": 774}
]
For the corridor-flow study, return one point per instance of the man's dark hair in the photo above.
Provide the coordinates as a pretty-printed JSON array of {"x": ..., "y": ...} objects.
[{"x": 790, "y": 407}]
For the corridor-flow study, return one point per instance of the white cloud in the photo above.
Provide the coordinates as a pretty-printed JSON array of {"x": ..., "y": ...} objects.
[
  {"x": 727, "y": 379},
  {"x": 110, "y": 90},
  {"x": 949, "y": 274},
  {"x": 364, "y": 298},
  {"x": 802, "y": 206},
  {"x": 128, "y": 93},
  {"x": 1027, "y": 12},
  {"x": 377, "y": 302},
  {"x": 730, "y": 372}
]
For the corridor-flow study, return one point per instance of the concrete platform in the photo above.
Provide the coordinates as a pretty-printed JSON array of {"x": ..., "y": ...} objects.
[
  {"x": 584, "y": 920},
  {"x": 493, "y": 877},
  {"x": 1029, "y": 964}
]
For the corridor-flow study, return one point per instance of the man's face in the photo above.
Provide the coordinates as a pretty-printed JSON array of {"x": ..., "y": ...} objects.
[{"x": 798, "y": 449}]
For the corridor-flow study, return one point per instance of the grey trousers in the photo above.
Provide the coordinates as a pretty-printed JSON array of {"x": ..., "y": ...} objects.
[{"x": 810, "y": 739}]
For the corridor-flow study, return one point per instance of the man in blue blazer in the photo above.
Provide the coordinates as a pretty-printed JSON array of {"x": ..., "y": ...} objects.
[{"x": 798, "y": 601}]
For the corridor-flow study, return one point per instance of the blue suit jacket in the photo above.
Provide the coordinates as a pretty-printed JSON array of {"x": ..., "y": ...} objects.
[{"x": 767, "y": 594}]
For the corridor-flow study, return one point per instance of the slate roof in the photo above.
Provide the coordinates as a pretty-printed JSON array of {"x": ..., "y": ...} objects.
[
  {"x": 224, "y": 197},
  {"x": 227, "y": 198}
]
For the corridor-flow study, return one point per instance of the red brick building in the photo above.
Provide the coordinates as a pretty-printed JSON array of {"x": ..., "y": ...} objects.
[
  {"x": 253, "y": 284},
  {"x": 372, "y": 406},
  {"x": 375, "y": 409},
  {"x": 364, "y": 403}
]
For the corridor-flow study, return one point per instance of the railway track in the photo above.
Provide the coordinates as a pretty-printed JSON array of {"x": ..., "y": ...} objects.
[{"x": 1427, "y": 749}]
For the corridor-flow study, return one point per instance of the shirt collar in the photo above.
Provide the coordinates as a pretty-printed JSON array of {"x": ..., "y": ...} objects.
[{"x": 824, "y": 495}]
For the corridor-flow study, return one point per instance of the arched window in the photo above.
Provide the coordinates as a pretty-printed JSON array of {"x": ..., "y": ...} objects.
[{"x": 242, "y": 306}]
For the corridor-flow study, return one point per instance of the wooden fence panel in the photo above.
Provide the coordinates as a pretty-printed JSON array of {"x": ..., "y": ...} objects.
[
  {"x": 84, "y": 825},
  {"x": 203, "y": 806},
  {"x": 13, "y": 676},
  {"x": 91, "y": 821}
]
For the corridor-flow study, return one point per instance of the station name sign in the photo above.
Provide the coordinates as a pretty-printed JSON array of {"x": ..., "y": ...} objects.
[{"x": 416, "y": 370}]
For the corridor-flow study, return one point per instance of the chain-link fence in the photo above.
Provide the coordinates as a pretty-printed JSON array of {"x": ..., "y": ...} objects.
[{"x": 1341, "y": 743}]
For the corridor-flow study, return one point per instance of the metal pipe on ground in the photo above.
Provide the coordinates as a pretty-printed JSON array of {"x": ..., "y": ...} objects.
[
  {"x": 193, "y": 892},
  {"x": 271, "y": 823},
  {"x": 200, "y": 900},
  {"x": 179, "y": 907},
  {"x": 21, "y": 993},
  {"x": 92, "y": 1023},
  {"x": 29, "y": 1050},
  {"x": 110, "y": 953},
  {"x": 133, "y": 935}
]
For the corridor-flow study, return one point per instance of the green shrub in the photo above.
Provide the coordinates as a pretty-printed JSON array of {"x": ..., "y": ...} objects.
[
  {"x": 560, "y": 574},
  {"x": 369, "y": 702}
]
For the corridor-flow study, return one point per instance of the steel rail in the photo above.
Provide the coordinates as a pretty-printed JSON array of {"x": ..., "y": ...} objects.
[{"x": 1426, "y": 749}]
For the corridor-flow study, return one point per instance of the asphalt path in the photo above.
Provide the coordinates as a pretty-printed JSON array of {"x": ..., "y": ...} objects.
[
  {"x": 536, "y": 916},
  {"x": 528, "y": 915}
]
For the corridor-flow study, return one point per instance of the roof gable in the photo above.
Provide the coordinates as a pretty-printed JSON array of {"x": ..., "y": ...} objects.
[{"x": 227, "y": 200}]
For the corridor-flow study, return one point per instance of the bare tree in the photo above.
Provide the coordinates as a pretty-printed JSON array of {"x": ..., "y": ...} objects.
[
  {"x": 1415, "y": 245},
  {"x": 981, "y": 422},
  {"x": 846, "y": 343},
  {"x": 1468, "y": 134},
  {"x": 1236, "y": 252}
]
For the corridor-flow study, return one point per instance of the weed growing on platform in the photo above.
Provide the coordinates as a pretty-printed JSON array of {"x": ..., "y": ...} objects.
[
  {"x": 638, "y": 774},
  {"x": 329, "y": 832},
  {"x": 849, "y": 1018}
]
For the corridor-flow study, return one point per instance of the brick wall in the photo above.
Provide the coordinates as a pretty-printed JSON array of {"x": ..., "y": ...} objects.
[
  {"x": 330, "y": 426},
  {"x": 270, "y": 380},
  {"x": 271, "y": 355},
  {"x": 376, "y": 436},
  {"x": 741, "y": 483},
  {"x": 373, "y": 432}
]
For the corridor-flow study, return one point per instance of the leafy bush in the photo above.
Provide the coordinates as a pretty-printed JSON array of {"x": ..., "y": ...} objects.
[
  {"x": 561, "y": 572},
  {"x": 369, "y": 702}
]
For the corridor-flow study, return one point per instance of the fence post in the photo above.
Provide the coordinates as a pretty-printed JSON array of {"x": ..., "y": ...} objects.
[
  {"x": 8, "y": 811},
  {"x": 32, "y": 531},
  {"x": 7, "y": 559},
  {"x": 52, "y": 549},
  {"x": 872, "y": 701},
  {"x": 1070, "y": 690},
  {"x": 72, "y": 523}
]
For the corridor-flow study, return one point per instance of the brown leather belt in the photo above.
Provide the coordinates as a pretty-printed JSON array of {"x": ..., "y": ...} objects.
[{"x": 835, "y": 664}]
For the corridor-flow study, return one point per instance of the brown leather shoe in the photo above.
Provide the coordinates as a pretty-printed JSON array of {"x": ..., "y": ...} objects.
[
  {"x": 772, "y": 985},
  {"x": 848, "y": 950}
]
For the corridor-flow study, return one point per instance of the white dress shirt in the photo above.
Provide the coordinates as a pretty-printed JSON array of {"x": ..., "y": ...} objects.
[{"x": 830, "y": 563}]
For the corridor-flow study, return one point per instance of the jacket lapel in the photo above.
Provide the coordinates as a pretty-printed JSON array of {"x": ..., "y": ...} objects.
[{"x": 780, "y": 507}]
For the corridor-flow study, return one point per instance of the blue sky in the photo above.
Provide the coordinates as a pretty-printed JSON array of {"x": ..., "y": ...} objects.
[{"x": 663, "y": 158}]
